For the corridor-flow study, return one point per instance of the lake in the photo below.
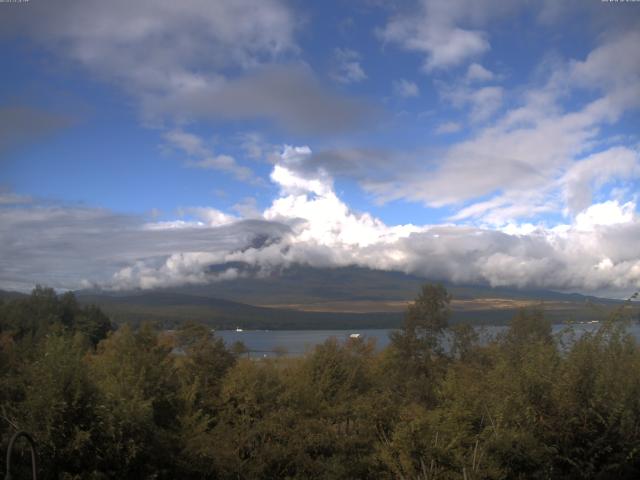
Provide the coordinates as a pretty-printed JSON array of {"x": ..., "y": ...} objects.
[{"x": 264, "y": 343}]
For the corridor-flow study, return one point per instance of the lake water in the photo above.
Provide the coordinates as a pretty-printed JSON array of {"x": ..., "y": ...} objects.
[{"x": 264, "y": 343}]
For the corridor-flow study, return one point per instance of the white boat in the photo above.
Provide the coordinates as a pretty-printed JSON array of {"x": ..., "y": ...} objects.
[{"x": 354, "y": 335}]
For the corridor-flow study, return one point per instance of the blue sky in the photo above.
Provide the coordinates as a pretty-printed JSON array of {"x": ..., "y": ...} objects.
[{"x": 363, "y": 130}]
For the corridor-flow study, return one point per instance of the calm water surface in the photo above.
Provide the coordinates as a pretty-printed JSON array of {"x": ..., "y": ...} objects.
[{"x": 263, "y": 343}]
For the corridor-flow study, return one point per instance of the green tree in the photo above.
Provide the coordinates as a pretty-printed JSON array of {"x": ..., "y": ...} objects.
[
  {"x": 205, "y": 361},
  {"x": 529, "y": 326},
  {"x": 58, "y": 406},
  {"x": 415, "y": 356},
  {"x": 138, "y": 411},
  {"x": 202, "y": 364},
  {"x": 29, "y": 319},
  {"x": 92, "y": 322}
]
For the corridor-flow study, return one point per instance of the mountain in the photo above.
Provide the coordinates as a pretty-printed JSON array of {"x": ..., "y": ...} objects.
[
  {"x": 9, "y": 295},
  {"x": 170, "y": 309},
  {"x": 312, "y": 298},
  {"x": 301, "y": 284}
]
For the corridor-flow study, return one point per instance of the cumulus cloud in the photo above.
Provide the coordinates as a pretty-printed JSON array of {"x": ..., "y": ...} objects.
[
  {"x": 606, "y": 213},
  {"x": 568, "y": 257},
  {"x": 309, "y": 224},
  {"x": 326, "y": 220}
]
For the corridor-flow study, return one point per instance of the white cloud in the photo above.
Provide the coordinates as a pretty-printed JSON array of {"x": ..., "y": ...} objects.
[
  {"x": 193, "y": 59},
  {"x": 212, "y": 217},
  {"x": 510, "y": 208},
  {"x": 443, "y": 30},
  {"x": 257, "y": 148},
  {"x": 539, "y": 156},
  {"x": 158, "y": 47},
  {"x": 478, "y": 73},
  {"x": 482, "y": 102},
  {"x": 348, "y": 68},
  {"x": 405, "y": 88},
  {"x": 520, "y": 229},
  {"x": 173, "y": 225},
  {"x": 247, "y": 208},
  {"x": 326, "y": 219},
  {"x": 485, "y": 102},
  {"x": 444, "y": 45},
  {"x": 232, "y": 60},
  {"x": 589, "y": 174},
  {"x": 310, "y": 224},
  {"x": 203, "y": 157},
  {"x": 176, "y": 270},
  {"x": 292, "y": 184},
  {"x": 606, "y": 213},
  {"x": 69, "y": 247},
  {"x": 610, "y": 68},
  {"x": 585, "y": 255},
  {"x": 226, "y": 163},
  {"x": 448, "y": 127},
  {"x": 191, "y": 144},
  {"x": 205, "y": 217}
]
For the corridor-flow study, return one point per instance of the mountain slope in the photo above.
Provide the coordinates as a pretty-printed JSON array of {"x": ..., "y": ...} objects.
[
  {"x": 299, "y": 284},
  {"x": 10, "y": 295},
  {"x": 170, "y": 309},
  {"x": 310, "y": 298}
]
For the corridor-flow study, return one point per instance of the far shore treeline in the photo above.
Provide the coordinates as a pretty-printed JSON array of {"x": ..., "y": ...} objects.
[{"x": 138, "y": 403}]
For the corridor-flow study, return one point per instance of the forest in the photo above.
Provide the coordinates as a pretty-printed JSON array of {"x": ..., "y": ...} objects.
[{"x": 103, "y": 402}]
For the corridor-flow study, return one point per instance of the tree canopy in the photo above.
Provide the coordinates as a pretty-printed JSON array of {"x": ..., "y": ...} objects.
[{"x": 143, "y": 403}]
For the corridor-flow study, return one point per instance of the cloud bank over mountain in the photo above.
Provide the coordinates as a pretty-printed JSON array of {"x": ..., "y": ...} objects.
[{"x": 72, "y": 247}]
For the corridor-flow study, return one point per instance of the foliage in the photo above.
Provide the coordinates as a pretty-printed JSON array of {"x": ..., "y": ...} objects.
[{"x": 149, "y": 404}]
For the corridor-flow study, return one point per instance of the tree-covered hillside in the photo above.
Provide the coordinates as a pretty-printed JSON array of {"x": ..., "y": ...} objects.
[{"x": 147, "y": 404}]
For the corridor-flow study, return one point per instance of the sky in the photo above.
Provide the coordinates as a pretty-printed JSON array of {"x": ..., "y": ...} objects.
[{"x": 158, "y": 143}]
